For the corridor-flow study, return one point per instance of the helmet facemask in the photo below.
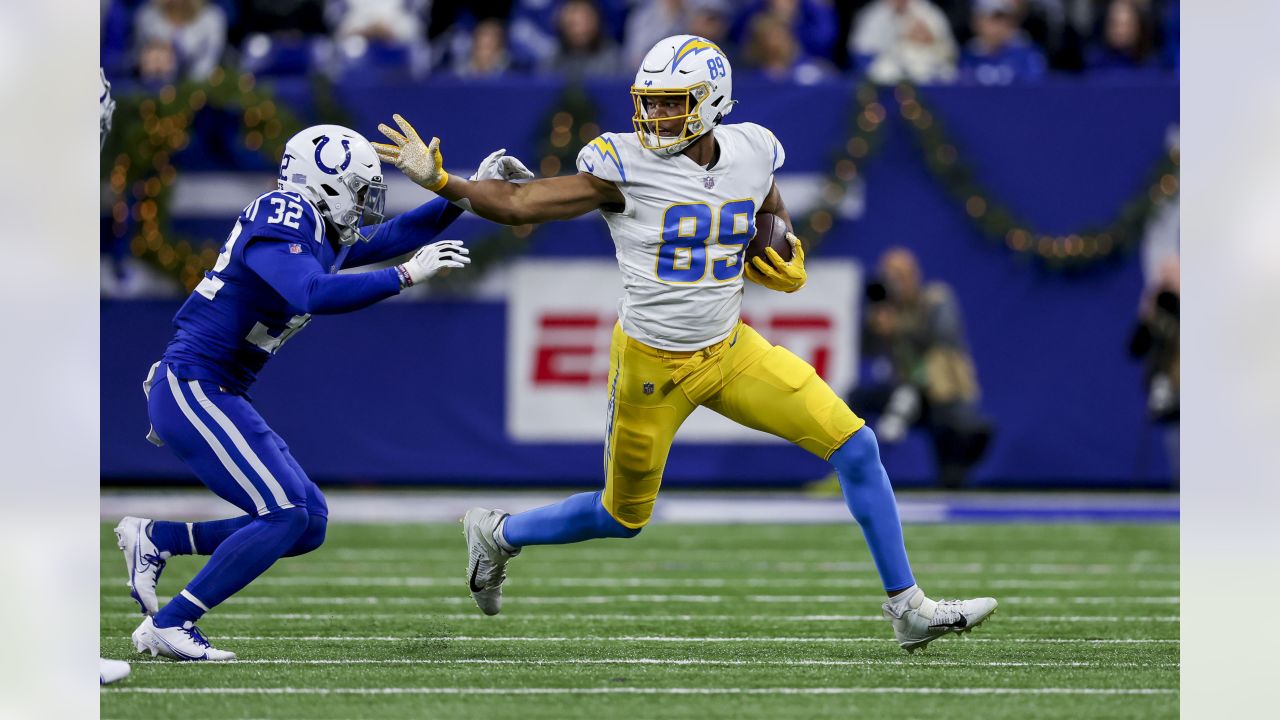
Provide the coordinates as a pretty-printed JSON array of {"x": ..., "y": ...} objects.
[
  {"x": 649, "y": 127},
  {"x": 366, "y": 207}
]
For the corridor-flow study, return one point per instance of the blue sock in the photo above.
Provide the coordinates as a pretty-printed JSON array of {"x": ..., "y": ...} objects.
[
  {"x": 241, "y": 558},
  {"x": 869, "y": 496},
  {"x": 178, "y": 611},
  {"x": 171, "y": 537},
  {"x": 209, "y": 535},
  {"x": 574, "y": 519},
  {"x": 174, "y": 538}
]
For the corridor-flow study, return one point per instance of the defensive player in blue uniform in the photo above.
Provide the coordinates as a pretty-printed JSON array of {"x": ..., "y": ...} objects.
[{"x": 277, "y": 268}]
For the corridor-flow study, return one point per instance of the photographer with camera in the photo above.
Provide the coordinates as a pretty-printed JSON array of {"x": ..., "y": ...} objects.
[
  {"x": 1155, "y": 343},
  {"x": 923, "y": 373}
]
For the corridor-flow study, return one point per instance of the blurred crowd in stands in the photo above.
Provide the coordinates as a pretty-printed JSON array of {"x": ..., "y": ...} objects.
[{"x": 989, "y": 42}]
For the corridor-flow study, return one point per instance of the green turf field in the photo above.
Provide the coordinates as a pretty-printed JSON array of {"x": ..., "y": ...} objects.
[{"x": 685, "y": 621}]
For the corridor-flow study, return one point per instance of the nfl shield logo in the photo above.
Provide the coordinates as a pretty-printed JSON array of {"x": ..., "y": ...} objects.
[
  {"x": 294, "y": 248},
  {"x": 648, "y": 388},
  {"x": 708, "y": 182}
]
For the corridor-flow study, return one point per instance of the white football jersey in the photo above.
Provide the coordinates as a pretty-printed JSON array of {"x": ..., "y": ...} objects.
[{"x": 682, "y": 235}]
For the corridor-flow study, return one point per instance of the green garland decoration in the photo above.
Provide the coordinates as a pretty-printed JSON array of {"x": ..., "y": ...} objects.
[
  {"x": 573, "y": 117},
  {"x": 865, "y": 137},
  {"x": 997, "y": 222},
  {"x": 140, "y": 176}
]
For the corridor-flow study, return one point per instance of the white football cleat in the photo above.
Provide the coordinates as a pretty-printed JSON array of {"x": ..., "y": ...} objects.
[
  {"x": 110, "y": 671},
  {"x": 925, "y": 620},
  {"x": 143, "y": 560},
  {"x": 486, "y": 560},
  {"x": 184, "y": 642}
]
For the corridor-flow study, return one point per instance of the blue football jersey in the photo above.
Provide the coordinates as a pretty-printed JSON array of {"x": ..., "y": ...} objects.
[{"x": 234, "y": 321}]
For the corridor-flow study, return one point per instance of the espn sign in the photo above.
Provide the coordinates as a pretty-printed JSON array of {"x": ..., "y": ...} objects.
[
  {"x": 572, "y": 347},
  {"x": 560, "y": 320}
]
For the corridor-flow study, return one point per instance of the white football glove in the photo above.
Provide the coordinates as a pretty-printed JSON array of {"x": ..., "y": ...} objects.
[
  {"x": 430, "y": 259},
  {"x": 500, "y": 166}
]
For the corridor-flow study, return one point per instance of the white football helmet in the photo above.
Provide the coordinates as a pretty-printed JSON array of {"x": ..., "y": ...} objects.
[
  {"x": 106, "y": 108},
  {"x": 688, "y": 69},
  {"x": 336, "y": 169}
]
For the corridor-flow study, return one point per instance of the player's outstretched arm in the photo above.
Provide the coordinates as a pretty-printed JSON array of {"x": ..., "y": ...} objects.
[
  {"x": 536, "y": 201},
  {"x": 411, "y": 230},
  {"x": 508, "y": 203},
  {"x": 403, "y": 233},
  {"x": 293, "y": 271},
  {"x": 778, "y": 274}
]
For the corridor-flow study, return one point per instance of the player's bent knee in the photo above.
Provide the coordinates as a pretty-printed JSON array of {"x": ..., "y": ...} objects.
[
  {"x": 312, "y": 538},
  {"x": 607, "y": 525},
  {"x": 612, "y": 528},
  {"x": 293, "y": 521},
  {"x": 859, "y": 450}
]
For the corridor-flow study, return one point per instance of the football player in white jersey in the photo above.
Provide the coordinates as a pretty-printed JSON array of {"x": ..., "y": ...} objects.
[{"x": 680, "y": 196}]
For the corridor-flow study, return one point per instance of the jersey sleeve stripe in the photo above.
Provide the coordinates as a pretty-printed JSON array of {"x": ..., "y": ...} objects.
[
  {"x": 773, "y": 140},
  {"x": 605, "y": 148}
]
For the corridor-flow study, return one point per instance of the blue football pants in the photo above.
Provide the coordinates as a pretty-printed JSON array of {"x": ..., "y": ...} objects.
[{"x": 227, "y": 444}]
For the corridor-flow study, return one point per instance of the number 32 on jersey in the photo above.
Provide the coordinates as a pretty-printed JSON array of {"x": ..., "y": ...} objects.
[{"x": 688, "y": 229}]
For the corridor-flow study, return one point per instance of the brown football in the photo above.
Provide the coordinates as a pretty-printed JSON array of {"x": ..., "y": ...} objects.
[{"x": 771, "y": 231}]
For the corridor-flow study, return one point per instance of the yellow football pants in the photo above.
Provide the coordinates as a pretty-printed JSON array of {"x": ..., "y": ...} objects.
[{"x": 743, "y": 377}]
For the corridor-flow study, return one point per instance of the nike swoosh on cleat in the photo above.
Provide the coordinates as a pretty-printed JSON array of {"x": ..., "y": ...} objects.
[
  {"x": 472, "y": 580},
  {"x": 178, "y": 652},
  {"x": 137, "y": 562},
  {"x": 957, "y": 625}
]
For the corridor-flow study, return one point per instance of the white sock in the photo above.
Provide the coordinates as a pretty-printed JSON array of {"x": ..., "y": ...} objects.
[
  {"x": 907, "y": 599},
  {"x": 501, "y": 539}
]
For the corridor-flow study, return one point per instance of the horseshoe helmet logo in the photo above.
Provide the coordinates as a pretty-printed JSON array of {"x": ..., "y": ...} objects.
[{"x": 346, "y": 146}]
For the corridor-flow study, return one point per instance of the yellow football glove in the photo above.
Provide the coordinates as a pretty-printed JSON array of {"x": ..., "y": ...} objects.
[
  {"x": 419, "y": 161},
  {"x": 782, "y": 276}
]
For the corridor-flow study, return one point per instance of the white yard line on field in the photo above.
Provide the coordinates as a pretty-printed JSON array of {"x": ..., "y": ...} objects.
[
  {"x": 656, "y": 638},
  {"x": 640, "y": 691},
  {"x": 787, "y": 560},
  {"x": 631, "y": 618},
  {"x": 692, "y": 599},
  {"x": 768, "y": 546},
  {"x": 662, "y": 582},
  {"x": 665, "y": 661},
  {"x": 757, "y": 560}
]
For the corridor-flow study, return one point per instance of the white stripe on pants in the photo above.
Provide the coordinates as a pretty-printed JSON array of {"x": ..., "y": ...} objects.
[
  {"x": 216, "y": 445},
  {"x": 237, "y": 439}
]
